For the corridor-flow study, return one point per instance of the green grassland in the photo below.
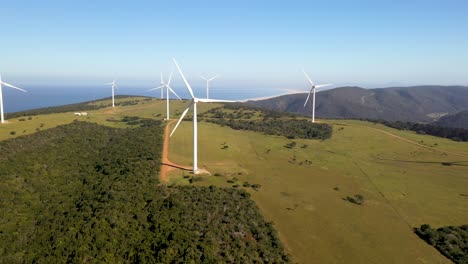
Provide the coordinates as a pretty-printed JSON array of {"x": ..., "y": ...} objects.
[
  {"x": 154, "y": 108},
  {"x": 404, "y": 186},
  {"x": 302, "y": 188}
]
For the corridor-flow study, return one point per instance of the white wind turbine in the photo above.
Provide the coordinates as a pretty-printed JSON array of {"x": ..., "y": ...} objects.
[
  {"x": 193, "y": 103},
  {"x": 1, "y": 96},
  {"x": 168, "y": 88},
  {"x": 113, "y": 91},
  {"x": 208, "y": 80},
  {"x": 312, "y": 90}
]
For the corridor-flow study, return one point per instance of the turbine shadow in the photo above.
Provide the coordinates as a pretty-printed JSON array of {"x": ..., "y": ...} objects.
[
  {"x": 176, "y": 166},
  {"x": 444, "y": 163}
]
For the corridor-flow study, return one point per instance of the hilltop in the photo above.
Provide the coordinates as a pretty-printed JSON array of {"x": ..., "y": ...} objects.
[{"x": 415, "y": 104}]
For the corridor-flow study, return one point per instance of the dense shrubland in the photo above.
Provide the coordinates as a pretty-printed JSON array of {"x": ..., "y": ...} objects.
[
  {"x": 245, "y": 117},
  {"x": 85, "y": 193},
  {"x": 451, "y": 241},
  {"x": 290, "y": 128},
  {"x": 457, "y": 134}
]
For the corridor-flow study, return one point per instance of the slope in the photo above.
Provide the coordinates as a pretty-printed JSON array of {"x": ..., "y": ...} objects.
[{"x": 417, "y": 104}]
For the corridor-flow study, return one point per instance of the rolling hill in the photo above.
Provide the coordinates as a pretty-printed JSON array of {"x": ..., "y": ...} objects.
[{"x": 415, "y": 104}]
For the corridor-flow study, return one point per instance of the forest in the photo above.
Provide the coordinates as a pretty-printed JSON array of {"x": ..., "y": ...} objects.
[
  {"x": 86, "y": 193},
  {"x": 291, "y": 128},
  {"x": 451, "y": 241},
  {"x": 456, "y": 134},
  {"x": 246, "y": 117}
]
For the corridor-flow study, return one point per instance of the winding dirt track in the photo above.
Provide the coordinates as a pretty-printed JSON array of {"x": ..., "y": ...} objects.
[{"x": 168, "y": 165}]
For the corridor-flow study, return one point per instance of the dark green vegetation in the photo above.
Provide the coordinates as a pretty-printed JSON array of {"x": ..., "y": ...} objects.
[
  {"x": 86, "y": 193},
  {"x": 84, "y": 106},
  {"x": 246, "y": 117},
  {"x": 451, "y": 241},
  {"x": 457, "y": 134},
  {"x": 356, "y": 199},
  {"x": 459, "y": 120},
  {"x": 415, "y": 104},
  {"x": 291, "y": 128}
]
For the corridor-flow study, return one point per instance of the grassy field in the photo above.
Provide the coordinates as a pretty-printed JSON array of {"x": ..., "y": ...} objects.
[
  {"x": 404, "y": 186},
  {"x": 155, "y": 108},
  {"x": 302, "y": 189}
]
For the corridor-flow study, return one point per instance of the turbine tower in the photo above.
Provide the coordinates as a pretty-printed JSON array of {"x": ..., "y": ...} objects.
[
  {"x": 312, "y": 90},
  {"x": 208, "y": 80},
  {"x": 193, "y": 103},
  {"x": 168, "y": 88},
  {"x": 1, "y": 96},
  {"x": 113, "y": 91}
]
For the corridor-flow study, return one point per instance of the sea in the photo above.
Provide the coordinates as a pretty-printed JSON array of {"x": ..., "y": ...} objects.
[{"x": 44, "y": 96}]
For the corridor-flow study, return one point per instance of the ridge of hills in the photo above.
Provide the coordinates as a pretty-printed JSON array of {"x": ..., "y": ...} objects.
[
  {"x": 425, "y": 103},
  {"x": 458, "y": 120}
]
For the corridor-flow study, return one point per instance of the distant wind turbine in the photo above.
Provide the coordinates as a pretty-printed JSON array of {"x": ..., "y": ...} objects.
[
  {"x": 113, "y": 91},
  {"x": 312, "y": 90},
  {"x": 208, "y": 80},
  {"x": 168, "y": 88},
  {"x": 193, "y": 103},
  {"x": 1, "y": 96}
]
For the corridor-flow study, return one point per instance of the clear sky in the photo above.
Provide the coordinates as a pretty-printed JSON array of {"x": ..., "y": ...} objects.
[{"x": 249, "y": 43}]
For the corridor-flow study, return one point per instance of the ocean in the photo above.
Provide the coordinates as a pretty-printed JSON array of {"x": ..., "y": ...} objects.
[{"x": 43, "y": 96}]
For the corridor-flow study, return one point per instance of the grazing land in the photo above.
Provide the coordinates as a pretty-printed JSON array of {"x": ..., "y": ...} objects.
[{"x": 400, "y": 180}]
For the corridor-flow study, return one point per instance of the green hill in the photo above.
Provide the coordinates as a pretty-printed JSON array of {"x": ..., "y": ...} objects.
[{"x": 88, "y": 193}]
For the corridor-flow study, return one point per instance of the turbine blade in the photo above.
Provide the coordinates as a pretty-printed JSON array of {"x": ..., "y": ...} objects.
[
  {"x": 203, "y": 77},
  {"x": 215, "y": 101},
  {"x": 185, "y": 80},
  {"x": 156, "y": 88},
  {"x": 322, "y": 85},
  {"x": 307, "y": 98},
  {"x": 12, "y": 86},
  {"x": 212, "y": 78},
  {"x": 181, "y": 117},
  {"x": 170, "y": 89},
  {"x": 307, "y": 76},
  {"x": 170, "y": 78}
]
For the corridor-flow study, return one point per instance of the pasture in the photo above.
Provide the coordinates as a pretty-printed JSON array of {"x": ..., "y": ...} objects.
[{"x": 302, "y": 188}]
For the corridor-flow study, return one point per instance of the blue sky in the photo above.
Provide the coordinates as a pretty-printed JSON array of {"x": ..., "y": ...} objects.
[{"x": 251, "y": 44}]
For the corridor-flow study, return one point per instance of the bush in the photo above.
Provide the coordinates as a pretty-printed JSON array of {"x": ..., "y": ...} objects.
[
  {"x": 357, "y": 199},
  {"x": 256, "y": 187}
]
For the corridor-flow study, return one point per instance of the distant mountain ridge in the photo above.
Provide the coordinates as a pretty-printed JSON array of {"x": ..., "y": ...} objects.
[
  {"x": 458, "y": 120},
  {"x": 416, "y": 104}
]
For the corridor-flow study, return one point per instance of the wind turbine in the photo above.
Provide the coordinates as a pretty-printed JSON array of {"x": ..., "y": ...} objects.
[
  {"x": 168, "y": 88},
  {"x": 193, "y": 103},
  {"x": 312, "y": 90},
  {"x": 160, "y": 87},
  {"x": 113, "y": 91},
  {"x": 1, "y": 96},
  {"x": 208, "y": 80}
]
